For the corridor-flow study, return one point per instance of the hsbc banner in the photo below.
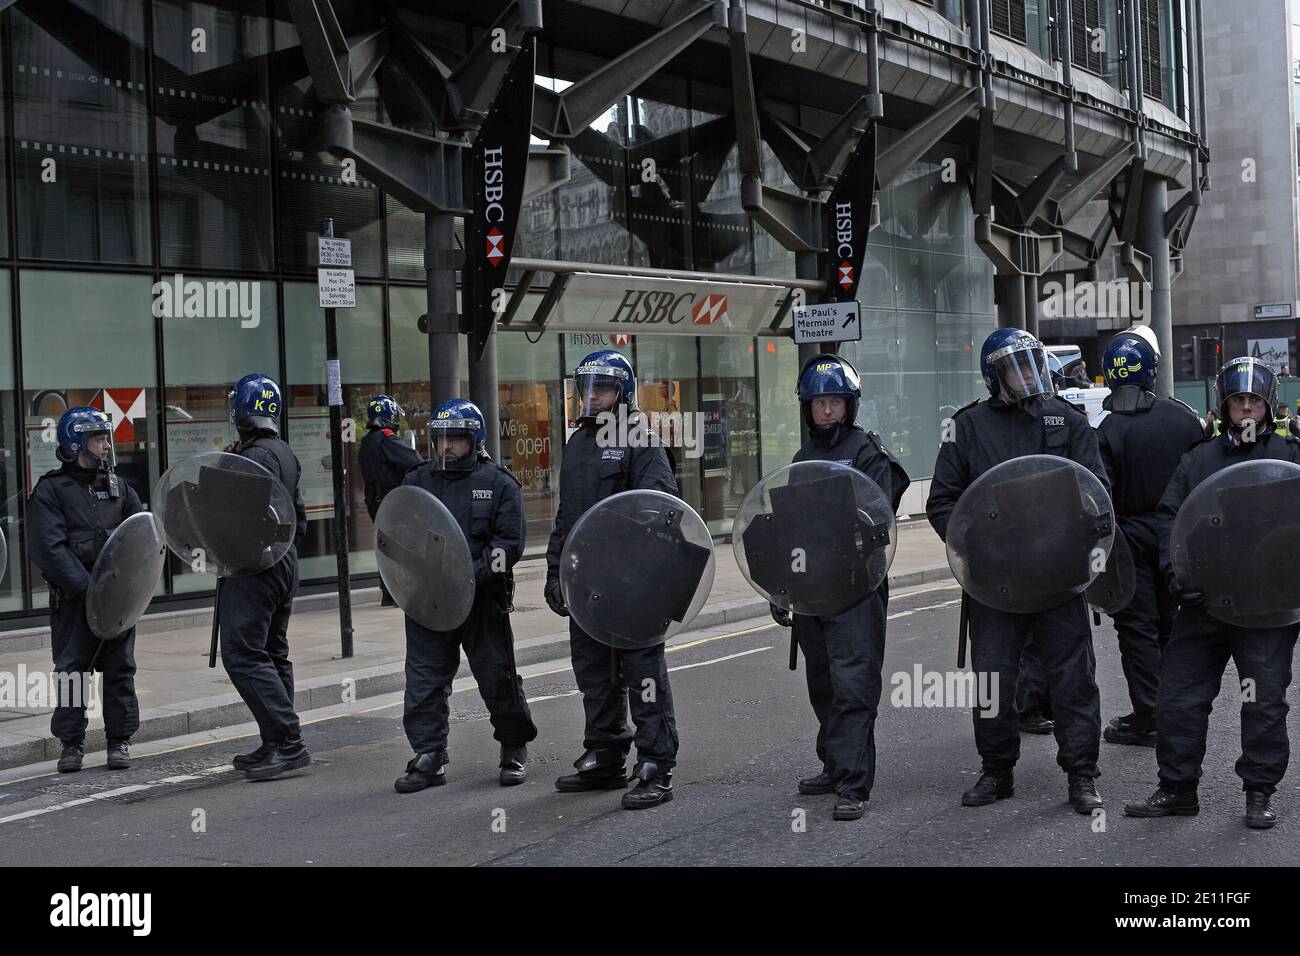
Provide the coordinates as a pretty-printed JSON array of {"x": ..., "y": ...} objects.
[
  {"x": 498, "y": 166},
  {"x": 616, "y": 305},
  {"x": 848, "y": 215}
]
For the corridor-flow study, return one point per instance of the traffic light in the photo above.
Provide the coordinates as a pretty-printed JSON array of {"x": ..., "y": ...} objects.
[
  {"x": 1211, "y": 357},
  {"x": 1293, "y": 360},
  {"x": 1189, "y": 359}
]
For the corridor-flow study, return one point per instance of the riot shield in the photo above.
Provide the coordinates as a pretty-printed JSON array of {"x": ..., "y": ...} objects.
[
  {"x": 1030, "y": 533},
  {"x": 815, "y": 537},
  {"x": 1115, "y": 586},
  {"x": 636, "y": 568},
  {"x": 226, "y": 513},
  {"x": 125, "y": 576},
  {"x": 424, "y": 559},
  {"x": 4, "y": 555},
  {"x": 1235, "y": 540}
]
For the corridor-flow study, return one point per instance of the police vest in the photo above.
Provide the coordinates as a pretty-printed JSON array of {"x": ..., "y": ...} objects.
[{"x": 90, "y": 513}]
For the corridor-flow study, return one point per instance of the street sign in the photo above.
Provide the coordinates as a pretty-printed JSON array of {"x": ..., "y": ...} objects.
[
  {"x": 335, "y": 252},
  {"x": 1278, "y": 310},
  {"x": 338, "y": 288},
  {"x": 828, "y": 322}
]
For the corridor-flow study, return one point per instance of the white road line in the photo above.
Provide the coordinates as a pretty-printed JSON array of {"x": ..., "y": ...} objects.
[
  {"x": 918, "y": 610},
  {"x": 120, "y": 791},
  {"x": 717, "y": 660}
]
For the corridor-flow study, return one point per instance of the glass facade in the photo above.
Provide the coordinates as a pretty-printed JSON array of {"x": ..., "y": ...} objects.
[{"x": 161, "y": 203}]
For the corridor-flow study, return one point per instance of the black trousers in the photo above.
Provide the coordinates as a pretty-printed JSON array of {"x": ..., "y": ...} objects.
[
  {"x": 74, "y": 644},
  {"x": 255, "y": 613},
  {"x": 1063, "y": 642},
  {"x": 1145, "y": 625},
  {"x": 642, "y": 686},
  {"x": 432, "y": 659},
  {"x": 1032, "y": 696},
  {"x": 1191, "y": 672},
  {"x": 843, "y": 657}
]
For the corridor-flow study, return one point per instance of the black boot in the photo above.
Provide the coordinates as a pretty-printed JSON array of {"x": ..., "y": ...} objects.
[
  {"x": 514, "y": 765},
  {"x": 288, "y": 755},
  {"x": 1132, "y": 730},
  {"x": 119, "y": 755},
  {"x": 1036, "y": 723},
  {"x": 423, "y": 770},
  {"x": 70, "y": 759},
  {"x": 989, "y": 788},
  {"x": 655, "y": 786},
  {"x": 815, "y": 786},
  {"x": 848, "y": 808},
  {"x": 1259, "y": 815},
  {"x": 597, "y": 770},
  {"x": 244, "y": 761},
  {"x": 1166, "y": 802},
  {"x": 1083, "y": 793}
]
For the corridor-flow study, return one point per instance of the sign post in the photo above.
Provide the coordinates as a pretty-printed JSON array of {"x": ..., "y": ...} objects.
[{"x": 337, "y": 288}]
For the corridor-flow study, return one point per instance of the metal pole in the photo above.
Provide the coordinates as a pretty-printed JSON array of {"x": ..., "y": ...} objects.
[
  {"x": 334, "y": 391},
  {"x": 1031, "y": 304},
  {"x": 483, "y": 392},
  {"x": 440, "y": 303},
  {"x": 1154, "y": 242},
  {"x": 1011, "y": 300}
]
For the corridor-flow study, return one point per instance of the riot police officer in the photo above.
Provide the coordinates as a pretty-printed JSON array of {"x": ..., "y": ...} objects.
[
  {"x": 1023, "y": 416},
  {"x": 844, "y": 653},
  {"x": 1142, "y": 438},
  {"x": 384, "y": 460},
  {"x": 485, "y": 500},
  {"x": 72, "y": 511},
  {"x": 1191, "y": 667},
  {"x": 593, "y": 470},
  {"x": 255, "y": 609}
]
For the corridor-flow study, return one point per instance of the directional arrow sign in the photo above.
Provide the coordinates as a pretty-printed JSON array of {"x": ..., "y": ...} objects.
[{"x": 828, "y": 322}]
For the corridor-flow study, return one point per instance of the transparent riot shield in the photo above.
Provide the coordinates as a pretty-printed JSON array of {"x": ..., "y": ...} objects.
[
  {"x": 1030, "y": 534},
  {"x": 125, "y": 576},
  {"x": 1115, "y": 586},
  {"x": 1236, "y": 539},
  {"x": 815, "y": 537},
  {"x": 636, "y": 568},
  {"x": 226, "y": 512},
  {"x": 424, "y": 559}
]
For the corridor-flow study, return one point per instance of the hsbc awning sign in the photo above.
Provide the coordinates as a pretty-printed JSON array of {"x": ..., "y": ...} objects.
[{"x": 637, "y": 305}]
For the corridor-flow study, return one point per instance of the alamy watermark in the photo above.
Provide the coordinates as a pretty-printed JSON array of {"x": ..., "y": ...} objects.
[
  {"x": 22, "y": 689},
  {"x": 178, "y": 298},
  {"x": 961, "y": 689},
  {"x": 1115, "y": 298},
  {"x": 618, "y": 429}
]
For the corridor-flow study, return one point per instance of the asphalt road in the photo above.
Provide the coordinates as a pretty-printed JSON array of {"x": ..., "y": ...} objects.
[{"x": 747, "y": 734}]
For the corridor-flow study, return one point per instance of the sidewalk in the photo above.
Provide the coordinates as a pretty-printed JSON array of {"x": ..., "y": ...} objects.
[{"x": 179, "y": 694}]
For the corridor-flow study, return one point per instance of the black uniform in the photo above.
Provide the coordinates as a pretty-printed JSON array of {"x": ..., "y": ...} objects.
[
  {"x": 844, "y": 654},
  {"x": 384, "y": 462},
  {"x": 987, "y": 434},
  {"x": 488, "y": 506},
  {"x": 255, "y": 610},
  {"x": 71, "y": 513},
  {"x": 1191, "y": 668},
  {"x": 590, "y": 474},
  {"x": 1141, "y": 442}
]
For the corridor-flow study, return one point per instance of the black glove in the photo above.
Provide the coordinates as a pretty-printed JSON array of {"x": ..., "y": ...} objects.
[
  {"x": 781, "y": 615},
  {"x": 554, "y": 599},
  {"x": 1184, "y": 598}
]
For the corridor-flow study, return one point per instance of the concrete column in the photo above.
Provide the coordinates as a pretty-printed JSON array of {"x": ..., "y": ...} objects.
[
  {"x": 483, "y": 392},
  {"x": 1031, "y": 304},
  {"x": 440, "y": 304},
  {"x": 1153, "y": 241},
  {"x": 1010, "y": 301}
]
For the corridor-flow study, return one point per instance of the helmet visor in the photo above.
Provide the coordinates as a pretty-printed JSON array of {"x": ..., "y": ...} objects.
[
  {"x": 451, "y": 444},
  {"x": 96, "y": 440},
  {"x": 1022, "y": 371},
  {"x": 598, "y": 389},
  {"x": 1247, "y": 376}
]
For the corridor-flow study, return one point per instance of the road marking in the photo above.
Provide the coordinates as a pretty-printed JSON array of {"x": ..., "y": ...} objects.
[
  {"x": 119, "y": 792},
  {"x": 717, "y": 660},
  {"x": 918, "y": 610}
]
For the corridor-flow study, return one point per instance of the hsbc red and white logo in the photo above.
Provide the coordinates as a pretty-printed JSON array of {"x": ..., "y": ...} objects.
[
  {"x": 496, "y": 246},
  {"x": 710, "y": 309},
  {"x": 846, "y": 274},
  {"x": 620, "y": 339}
]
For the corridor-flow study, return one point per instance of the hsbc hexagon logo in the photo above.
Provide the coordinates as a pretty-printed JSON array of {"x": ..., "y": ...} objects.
[
  {"x": 622, "y": 339},
  {"x": 846, "y": 275},
  {"x": 496, "y": 246},
  {"x": 709, "y": 309}
]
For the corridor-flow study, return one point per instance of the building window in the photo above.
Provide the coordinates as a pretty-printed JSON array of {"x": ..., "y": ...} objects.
[
  {"x": 1009, "y": 19},
  {"x": 1153, "y": 77}
]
